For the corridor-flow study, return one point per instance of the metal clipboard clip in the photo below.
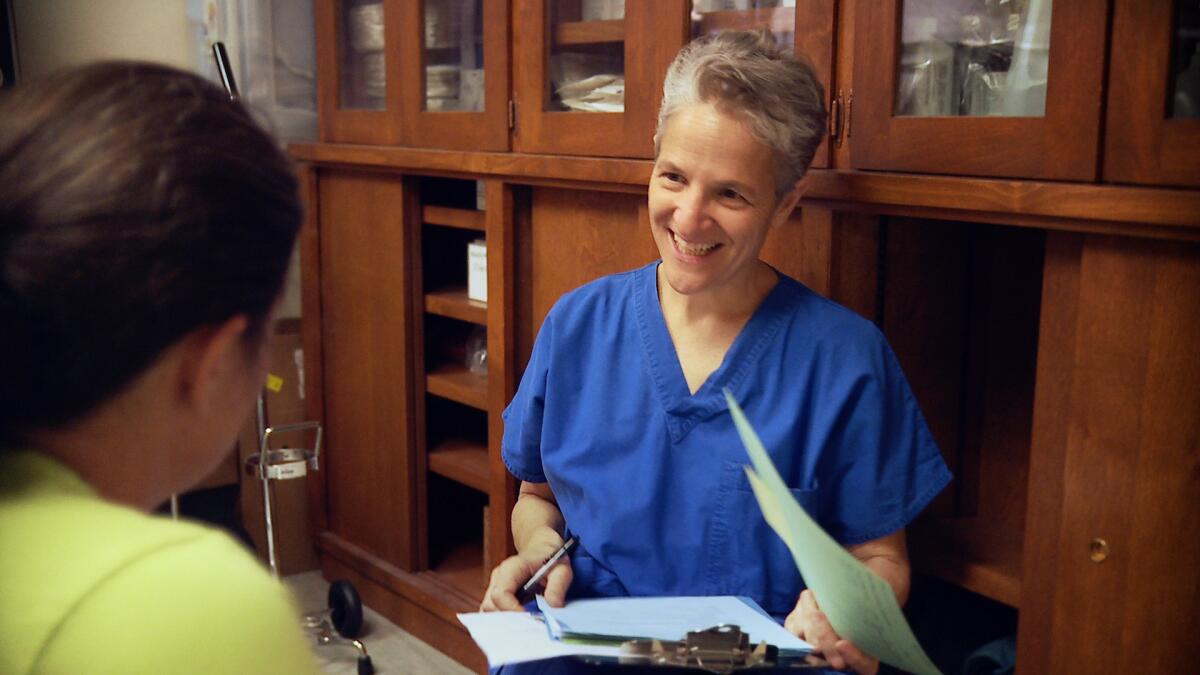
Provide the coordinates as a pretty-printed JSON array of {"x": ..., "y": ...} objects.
[{"x": 720, "y": 649}]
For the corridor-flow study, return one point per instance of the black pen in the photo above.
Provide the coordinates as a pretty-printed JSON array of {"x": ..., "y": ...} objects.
[{"x": 527, "y": 591}]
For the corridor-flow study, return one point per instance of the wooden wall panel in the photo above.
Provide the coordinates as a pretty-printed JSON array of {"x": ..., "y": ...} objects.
[
  {"x": 367, "y": 370},
  {"x": 924, "y": 278},
  {"x": 1116, "y": 456},
  {"x": 580, "y": 236}
]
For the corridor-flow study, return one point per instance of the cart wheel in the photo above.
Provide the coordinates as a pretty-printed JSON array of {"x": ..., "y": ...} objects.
[
  {"x": 347, "y": 614},
  {"x": 365, "y": 667}
]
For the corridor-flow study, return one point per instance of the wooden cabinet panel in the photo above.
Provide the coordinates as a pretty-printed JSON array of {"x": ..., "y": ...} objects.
[
  {"x": 814, "y": 40},
  {"x": 366, "y": 369},
  {"x": 361, "y": 119},
  {"x": 579, "y": 236},
  {"x": 1144, "y": 142},
  {"x": 1061, "y": 145},
  {"x": 1114, "y": 458},
  {"x": 456, "y": 130},
  {"x": 654, "y": 30}
]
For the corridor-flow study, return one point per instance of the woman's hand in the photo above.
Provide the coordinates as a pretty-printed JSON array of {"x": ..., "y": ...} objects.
[
  {"x": 810, "y": 624},
  {"x": 512, "y": 573}
]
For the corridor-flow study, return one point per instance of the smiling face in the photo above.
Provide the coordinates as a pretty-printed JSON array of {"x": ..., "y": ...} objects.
[{"x": 712, "y": 201}]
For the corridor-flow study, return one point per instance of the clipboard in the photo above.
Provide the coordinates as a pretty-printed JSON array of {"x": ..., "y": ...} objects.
[{"x": 720, "y": 649}]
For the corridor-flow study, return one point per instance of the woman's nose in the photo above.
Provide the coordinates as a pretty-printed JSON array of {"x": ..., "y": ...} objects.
[{"x": 690, "y": 211}]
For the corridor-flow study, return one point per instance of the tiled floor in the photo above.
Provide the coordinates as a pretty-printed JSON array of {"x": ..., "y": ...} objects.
[{"x": 392, "y": 650}]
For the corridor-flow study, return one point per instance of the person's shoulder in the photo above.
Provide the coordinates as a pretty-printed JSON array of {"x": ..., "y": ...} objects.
[
  {"x": 198, "y": 602},
  {"x": 827, "y": 319}
]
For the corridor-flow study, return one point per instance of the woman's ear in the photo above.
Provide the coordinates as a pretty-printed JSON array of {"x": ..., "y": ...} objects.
[
  {"x": 210, "y": 356},
  {"x": 787, "y": 203}
]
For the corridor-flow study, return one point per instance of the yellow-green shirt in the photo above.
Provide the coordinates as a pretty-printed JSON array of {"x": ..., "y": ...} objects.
[{"x": 88, "y": 586}]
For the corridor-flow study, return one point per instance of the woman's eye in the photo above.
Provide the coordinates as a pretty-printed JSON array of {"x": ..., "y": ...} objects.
[
  {"x": 672, "y": 177},
  {"x": 732, "y": 194}
]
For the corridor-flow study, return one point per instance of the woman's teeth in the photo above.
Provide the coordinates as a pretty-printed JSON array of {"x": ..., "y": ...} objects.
[{"x": 692, "y": 249}]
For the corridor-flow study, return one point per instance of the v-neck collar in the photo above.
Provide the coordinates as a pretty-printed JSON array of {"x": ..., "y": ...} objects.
[{"x": 685, "y": 409}]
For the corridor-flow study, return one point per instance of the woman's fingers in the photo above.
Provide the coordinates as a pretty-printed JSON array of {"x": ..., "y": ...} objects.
[
  {"x": 558, "y": 580},
  {"x": 817, "y": 631},
  {"x": 856, "y": 659},
  {"x": 502, "y": 587}
]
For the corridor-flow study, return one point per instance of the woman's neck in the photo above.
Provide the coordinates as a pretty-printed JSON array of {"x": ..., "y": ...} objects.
[{"x": 731, "y": 303}]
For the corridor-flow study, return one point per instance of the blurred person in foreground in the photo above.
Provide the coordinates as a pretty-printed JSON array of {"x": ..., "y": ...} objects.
[{"x": 146, "y": 224}]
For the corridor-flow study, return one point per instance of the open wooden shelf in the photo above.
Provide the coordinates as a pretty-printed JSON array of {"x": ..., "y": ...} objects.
[
  {"x": 462, "y": 569},
  {"x": 458, "y": 384},
  {"x": 464, "y": 219},
  {"x": 978, "y": 554},
  {"x": 454, "y": 303},
  {"x": 589, "y": 32},
  {"x": 777, "y": 20},
  {"x": 462, "y": 461}
]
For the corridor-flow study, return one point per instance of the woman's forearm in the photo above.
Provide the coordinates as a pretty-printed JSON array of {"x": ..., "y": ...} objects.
[
  {"x": 887, "y": 557},
  {"x": 536, "y": 520}
]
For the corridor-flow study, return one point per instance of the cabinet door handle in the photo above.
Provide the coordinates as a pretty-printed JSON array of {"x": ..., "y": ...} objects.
[{"x": 1098, "y": 550}]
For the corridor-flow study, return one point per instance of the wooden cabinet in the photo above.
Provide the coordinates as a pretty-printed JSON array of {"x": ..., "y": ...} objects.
[
  {"x": 1036, "y": 115},
  {"x": 591, "y": 85},
  {"x": 422, "y": 73},
  {"x": 1153, "y": 128},
  {"x": 366, "y": 368},
  {"x": 1112, "y": 538}
]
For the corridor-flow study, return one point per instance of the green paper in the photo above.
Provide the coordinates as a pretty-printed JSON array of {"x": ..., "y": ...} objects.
[{"x": 860, "y": 605}]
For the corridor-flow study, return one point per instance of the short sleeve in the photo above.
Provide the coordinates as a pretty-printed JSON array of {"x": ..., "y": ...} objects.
[
  {"x": 522, "y": 444},
  {"x": 199, "y": 606},
  {"x": 881, "y": 467}
]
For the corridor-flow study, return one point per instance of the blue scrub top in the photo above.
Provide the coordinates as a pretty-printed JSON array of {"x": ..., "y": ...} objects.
[{"x": 650, "y": 476}]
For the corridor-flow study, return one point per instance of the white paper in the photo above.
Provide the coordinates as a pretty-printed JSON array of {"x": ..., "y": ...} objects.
[
  {"x": 517, "y": 637},
  {"x": 861, "y": 606}
]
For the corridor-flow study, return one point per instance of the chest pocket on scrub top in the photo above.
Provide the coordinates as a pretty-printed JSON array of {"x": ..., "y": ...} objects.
[{"x": 749, "y": 558}]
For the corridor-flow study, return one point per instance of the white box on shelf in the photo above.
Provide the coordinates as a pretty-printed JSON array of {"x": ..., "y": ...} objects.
[{"x": 477, "y": 270}]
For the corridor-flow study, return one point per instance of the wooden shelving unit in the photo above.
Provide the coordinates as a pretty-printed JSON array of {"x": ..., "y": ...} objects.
[
  {"x": 464, "y": 219},
  {"x": 463, "y": 461},
  {"x": 973, "y": 553},
  {"x": 453, "y": 303},
  {"x": 458, "y": 384},
  {"x": 462, "y": 569}
]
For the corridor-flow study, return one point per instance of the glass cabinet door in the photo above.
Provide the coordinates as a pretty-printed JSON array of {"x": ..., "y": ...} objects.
[
  {"x": 978, "y": 87},
  {"x": 811, "y": 20},
  {"x": 354, "y": 69},
  {"x": 588, "y": 73},
  {"x": 455, "y": 74},
  {"x": 1153, "y": 130}
]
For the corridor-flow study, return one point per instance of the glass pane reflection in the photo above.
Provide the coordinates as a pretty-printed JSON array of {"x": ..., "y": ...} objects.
[
  {"x": 587, "y": 56},
  {"x": 454, "y": 55},
  {"x": 1185, "y": 71},
  {"x": 974, "y": 57},
  {"x": 363, "y": 75},
  {"x": 776, "y": 16}
]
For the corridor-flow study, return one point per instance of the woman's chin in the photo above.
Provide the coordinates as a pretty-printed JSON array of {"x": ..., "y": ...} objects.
[{"x": 687, "y": 282}]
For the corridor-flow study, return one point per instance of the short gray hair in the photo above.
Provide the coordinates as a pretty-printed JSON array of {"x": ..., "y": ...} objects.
[{"x": 745, "y": 72}]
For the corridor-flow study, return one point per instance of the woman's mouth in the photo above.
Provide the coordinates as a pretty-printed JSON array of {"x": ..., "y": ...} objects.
[{"x": 690, "y": 248}]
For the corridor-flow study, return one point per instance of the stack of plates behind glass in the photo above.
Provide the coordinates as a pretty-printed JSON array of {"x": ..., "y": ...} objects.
[{"x": 442, "y": 87}]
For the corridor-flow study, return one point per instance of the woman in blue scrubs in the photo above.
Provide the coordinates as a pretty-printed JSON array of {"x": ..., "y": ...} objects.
[{"x": 619, "y": 431}]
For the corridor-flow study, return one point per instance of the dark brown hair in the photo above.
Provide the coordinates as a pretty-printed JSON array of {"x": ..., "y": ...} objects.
[{"x": 137, "y": 203}]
